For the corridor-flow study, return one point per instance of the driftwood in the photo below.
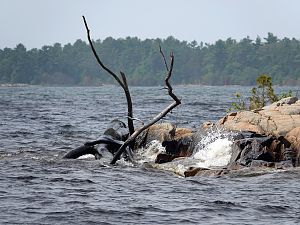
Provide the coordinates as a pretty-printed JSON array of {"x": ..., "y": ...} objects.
[
  {"x": 80, "y": 151},
  {"x": 123, "y": 83},
  {"x": 113, "y": 137}
]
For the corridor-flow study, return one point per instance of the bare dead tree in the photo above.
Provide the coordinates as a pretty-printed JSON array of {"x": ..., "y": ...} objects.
[
  {"x": 158, "y": 116},
  {"x": 122, "y": 83}
]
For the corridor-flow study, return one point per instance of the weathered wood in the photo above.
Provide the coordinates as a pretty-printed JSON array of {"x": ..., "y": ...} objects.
[{"x": 80, "y": 151}]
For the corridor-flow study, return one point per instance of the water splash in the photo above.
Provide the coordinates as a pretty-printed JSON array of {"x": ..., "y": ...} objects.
[
  {"x": 150, "y": 151},
  {"x": 214, "y": 150},
  {"x": 217, "y": 153}
]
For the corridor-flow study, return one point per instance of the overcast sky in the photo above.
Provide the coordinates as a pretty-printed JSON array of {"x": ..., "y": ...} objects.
[{"x": 43, "y": 22}]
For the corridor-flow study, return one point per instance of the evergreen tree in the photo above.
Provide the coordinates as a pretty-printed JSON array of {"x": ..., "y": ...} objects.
[{"x": 221, "y": 63}]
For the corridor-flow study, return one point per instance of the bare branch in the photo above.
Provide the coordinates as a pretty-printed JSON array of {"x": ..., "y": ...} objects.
[
  {"x": 129, "y": 104},
  {"x": 97, "y": 57},
  {"x": 164, "y": 58},
  {"x": 169, "y": 87},
  {"x": 137, "y": 119},
  {"x": 123, "y": 84},
  {"x": 157, "y": 117}
]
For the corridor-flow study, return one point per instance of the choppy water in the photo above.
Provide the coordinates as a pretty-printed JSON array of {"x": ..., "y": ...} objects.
[{"x": 39, "y": 124}]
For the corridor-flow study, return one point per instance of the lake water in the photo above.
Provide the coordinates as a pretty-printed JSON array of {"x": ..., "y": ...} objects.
[{"x": 38, "y": 125}]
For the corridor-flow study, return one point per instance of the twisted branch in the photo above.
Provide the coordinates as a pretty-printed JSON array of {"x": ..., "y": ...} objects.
[
  {"x": 159, "y": 116},
  {"x": 164, "y": 58}
]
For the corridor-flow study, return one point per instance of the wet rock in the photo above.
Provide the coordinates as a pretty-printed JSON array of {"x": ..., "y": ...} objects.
[
  {"x": 255, "y": 151},
  {"x": 177, "y": 146},
  {"x": 193, "y": 171},
  {"x": 236, "y": 153},
  {"x": 263, "y": 148},
  {"x": 180, "y": 147},
  {"x": 175, "y": 140},
  {"x": 284, "y": 165},
  {"x": 294, "y": 138},
  {"x": 234, "y": 166},
  {"x": 164, "y": 158},
  {"x": 261, "y": 163},
  {"x": 210, "y": 172},
  {"x": 175, "y": 149},
  {"x": 276, "y": 148},
  {"x": 247, "y": 146},
  {"x": 117, "y": 130},
  {"x": 160, "y": 132},
  {"x": 177, "y": 166}
]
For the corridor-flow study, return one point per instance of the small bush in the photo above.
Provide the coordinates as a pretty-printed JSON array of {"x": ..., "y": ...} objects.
[
  {"x": 261, "y": 95},
  {"x": 238, "y": 104}
]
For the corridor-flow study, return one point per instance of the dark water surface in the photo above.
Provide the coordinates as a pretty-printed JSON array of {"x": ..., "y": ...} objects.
[{"x": 40, "y": 124}]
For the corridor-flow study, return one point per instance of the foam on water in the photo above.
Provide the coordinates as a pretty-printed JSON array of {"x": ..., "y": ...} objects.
[
  {"x": 214, "y": 149},
  {"x": 217, "y": 153}
]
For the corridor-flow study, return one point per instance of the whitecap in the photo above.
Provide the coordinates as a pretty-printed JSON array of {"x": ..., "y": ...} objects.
[{"x": 215, "y": 154}]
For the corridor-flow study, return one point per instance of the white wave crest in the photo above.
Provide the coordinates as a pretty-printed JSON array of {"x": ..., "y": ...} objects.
[{"x": 214, "y": 150}]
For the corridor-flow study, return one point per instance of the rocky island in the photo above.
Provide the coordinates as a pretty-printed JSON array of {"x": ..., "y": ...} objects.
[
  {"x": 243, "y": 142},
  {"x": 262, "y": 139}
]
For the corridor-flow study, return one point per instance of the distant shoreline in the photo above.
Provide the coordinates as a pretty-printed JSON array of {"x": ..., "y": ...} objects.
[{"x": 107, "y": 85}]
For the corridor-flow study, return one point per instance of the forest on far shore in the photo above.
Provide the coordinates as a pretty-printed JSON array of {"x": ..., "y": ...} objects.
[{"x": 225, "y": 62}]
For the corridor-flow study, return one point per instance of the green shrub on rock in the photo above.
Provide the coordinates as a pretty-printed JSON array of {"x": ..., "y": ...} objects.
[{"x": 261, "y": 95}]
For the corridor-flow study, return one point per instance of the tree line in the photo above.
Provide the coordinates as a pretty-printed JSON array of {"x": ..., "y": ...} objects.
[{"x": 225, "y": 62}]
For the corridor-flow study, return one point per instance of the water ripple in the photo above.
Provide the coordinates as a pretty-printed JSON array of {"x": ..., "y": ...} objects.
[{"x": 40, "y": 124}]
